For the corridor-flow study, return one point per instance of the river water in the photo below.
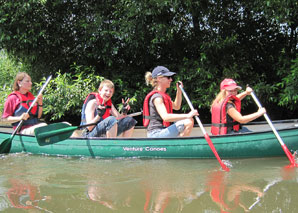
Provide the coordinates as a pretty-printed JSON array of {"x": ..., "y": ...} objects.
[{"x": 31, "y": 183}]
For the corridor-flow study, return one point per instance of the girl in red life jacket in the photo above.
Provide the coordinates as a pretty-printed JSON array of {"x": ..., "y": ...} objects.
[
  {"x": 18, "y": 102},
  {"x": 226, "y": 109},
  {"x": 158, "y": 107}
]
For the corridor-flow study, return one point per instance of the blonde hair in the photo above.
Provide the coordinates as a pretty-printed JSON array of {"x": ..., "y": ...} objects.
[
  {"x": 107, "y": 83},
  {"x": 150, "y": 80},
  {"x": 19, "y": 77},
  {"x": 219, "y": 98}
]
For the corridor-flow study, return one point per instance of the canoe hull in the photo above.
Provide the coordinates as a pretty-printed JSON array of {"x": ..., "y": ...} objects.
[{"x": 251, "y": 145}]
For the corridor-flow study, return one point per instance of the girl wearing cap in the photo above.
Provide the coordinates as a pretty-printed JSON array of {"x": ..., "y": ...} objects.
[
  {"x": 226, "y": 109},
  {"x": 158, "y": 107}
]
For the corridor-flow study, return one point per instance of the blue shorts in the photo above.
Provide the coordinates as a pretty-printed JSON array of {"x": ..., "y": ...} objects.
[
  {"x": 105, "y": 125},
  {"x": 170, "y": 132}
]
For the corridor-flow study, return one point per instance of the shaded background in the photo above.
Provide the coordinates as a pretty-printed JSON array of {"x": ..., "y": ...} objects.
[{"x": 81, "y": 42}]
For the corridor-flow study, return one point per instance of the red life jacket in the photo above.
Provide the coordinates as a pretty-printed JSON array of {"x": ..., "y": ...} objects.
[
  {"x": 218, "y": 191},
  {"x": 146, "y": 114},
  {"x": 26, "y": 100},
  {"x": 25, "y": 103},
  {"x": 99, "y": 101},
  {"x": 219, "y": 124}
]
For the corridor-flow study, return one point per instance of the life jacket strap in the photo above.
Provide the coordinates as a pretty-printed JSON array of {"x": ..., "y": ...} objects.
[
  {"x": 225, "y": 125},
  {"x": 152, "y": 117}
]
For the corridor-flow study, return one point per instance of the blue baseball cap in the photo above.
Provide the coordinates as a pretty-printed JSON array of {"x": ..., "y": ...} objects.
[{"x": 161, "y": 71}]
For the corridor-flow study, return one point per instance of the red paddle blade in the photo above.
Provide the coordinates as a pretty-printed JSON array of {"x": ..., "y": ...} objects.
[
  {"x": 289, "y": 155},
  {"x": 224, "y": 167}
]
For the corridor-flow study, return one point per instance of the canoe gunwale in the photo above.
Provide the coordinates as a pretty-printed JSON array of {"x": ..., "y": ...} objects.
[{"x": 180, "y": 138}]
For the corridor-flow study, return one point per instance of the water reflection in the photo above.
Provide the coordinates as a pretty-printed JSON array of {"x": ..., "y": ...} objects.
[
  {"x": 24, "y": 195},
  {"x": 108, "y": 195},
  {"x": 169, "y": 187},
  {"x": 226, "y": 195},
  {"x": 47, "y": 184}
]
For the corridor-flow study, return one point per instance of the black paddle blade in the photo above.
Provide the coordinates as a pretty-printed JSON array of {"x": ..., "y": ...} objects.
[
  {"x": 5, "y": 146},
  {"x": 53, "y": 133}
]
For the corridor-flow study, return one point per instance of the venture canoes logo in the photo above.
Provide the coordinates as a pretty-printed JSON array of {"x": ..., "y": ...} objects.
[{"x": 145, "y": 149}]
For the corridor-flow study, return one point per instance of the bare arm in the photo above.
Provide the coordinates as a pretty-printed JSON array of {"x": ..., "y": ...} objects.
[
  {"x": 245, "y": 93},
  {"x": 237, "y": 116},
  {"x": 40, "y": 108},
  {"x": 178, "y": 99},
  {"x": 170, "y": 117},
  {"x": 89, "y": 111},
  {"x": 13, "y": 119}
]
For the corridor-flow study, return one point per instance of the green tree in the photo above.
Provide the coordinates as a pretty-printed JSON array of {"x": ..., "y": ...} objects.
[
  {"x": 9, "y": 67},
  {"x": 203, "y": 41}
]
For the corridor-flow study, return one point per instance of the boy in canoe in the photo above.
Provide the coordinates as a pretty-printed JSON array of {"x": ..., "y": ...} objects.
[{"x": 98, "y": 108}]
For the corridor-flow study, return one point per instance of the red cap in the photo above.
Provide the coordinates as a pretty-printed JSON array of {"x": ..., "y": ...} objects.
[{"x": 229, "y": 84}]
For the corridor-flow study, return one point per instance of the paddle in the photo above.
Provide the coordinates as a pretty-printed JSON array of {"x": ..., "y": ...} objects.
[
  {"x": 6, "y": 144},
  {"x": 57, "y": 132},
  {"x": 284, "y": 147},
  {"x": 204, "y": 132}
]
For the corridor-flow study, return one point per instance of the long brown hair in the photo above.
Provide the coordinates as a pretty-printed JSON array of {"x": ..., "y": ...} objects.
[{"x": 19, "y": 77}]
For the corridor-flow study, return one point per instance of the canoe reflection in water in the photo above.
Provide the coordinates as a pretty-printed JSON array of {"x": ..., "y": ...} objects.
[{"x": 24, "y": 195}]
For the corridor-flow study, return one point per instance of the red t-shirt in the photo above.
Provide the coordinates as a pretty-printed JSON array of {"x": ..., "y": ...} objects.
[{"x": 11, "y": 104}]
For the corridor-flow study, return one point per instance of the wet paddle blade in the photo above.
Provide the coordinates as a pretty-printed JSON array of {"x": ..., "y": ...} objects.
[
  {"x": 5, "y": 146},
  {"x": 53, "y": 133}
]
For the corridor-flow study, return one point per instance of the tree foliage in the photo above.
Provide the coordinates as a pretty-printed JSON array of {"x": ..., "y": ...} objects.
[
  {"x": 203, "y": 41},
  {"x": 8, "y": 69}
]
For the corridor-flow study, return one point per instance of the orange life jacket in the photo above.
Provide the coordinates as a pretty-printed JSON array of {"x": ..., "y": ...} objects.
[
  {"x": 219, "y": 124},
  {"x": 146, "y": 114}
]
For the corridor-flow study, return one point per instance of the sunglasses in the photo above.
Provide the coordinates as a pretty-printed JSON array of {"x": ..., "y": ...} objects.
[{"x": 168, "y": 77}]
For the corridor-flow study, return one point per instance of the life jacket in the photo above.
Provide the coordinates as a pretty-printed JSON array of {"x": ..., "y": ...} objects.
[
  {"x": 146, "y": 114},
  {"x": 25, "y": 103},
  {"x": 99, "y": 101},
  {"x": 219, "y": 124},
  {"x": 218, "y": 191}
]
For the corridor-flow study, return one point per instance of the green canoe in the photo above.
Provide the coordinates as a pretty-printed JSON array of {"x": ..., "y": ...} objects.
[{"x": 259, "y": 143}]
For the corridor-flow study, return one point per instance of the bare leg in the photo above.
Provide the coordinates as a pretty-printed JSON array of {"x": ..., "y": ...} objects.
[
  {"x": 30, "y": 130},
  {"x": 188, "y": 125},
  {"x": 112, "y": 133},
  {"x": 161, "y": 201},
  {"x": 128, "y": 133}
]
